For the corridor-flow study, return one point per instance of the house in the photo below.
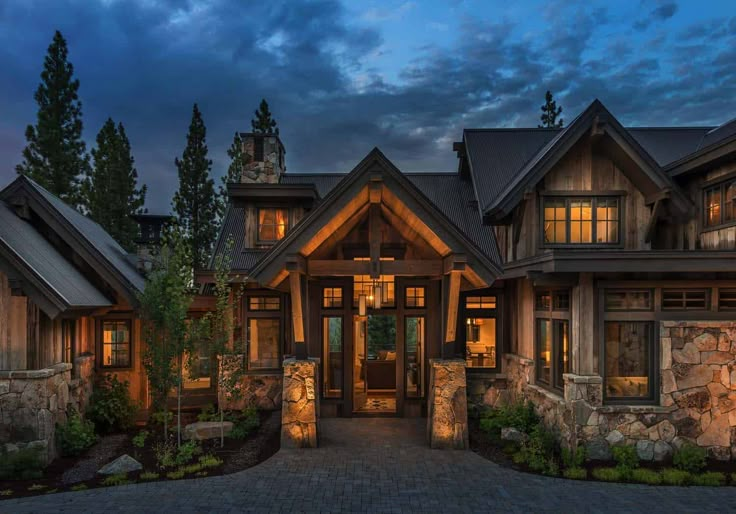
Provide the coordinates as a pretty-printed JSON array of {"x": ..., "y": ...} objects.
[{"x": 589, "y": 269}]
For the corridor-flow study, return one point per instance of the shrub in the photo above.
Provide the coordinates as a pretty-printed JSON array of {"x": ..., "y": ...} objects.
[
  {"x": 139, "y": 440},
  {"x": 574, "y": 458},
  {"x": 24, "y": 464},
  {"x": 675, "y": 477},
  {"x": 646, "y": 476},
  {"x": 116, "y": 479},
  {"x": 79, "y": 487},
  {"x": 149, "y": 475},
  {"x": 520, "y": 416},
  {"x": 187, "y": 452},
  {"x": 208, "y": 413},
  {"x": 209, "y": 461},
  {"x": 111, "y": 408},
  {"x": 607, "y": 474},
  {"x": 6, "y": 492},
  {"x": 537, "y": 452},
  {"x": 159, "y": 417},
  {"x": 164, "y": 452},
  {"x": 710, "y": 478},
  {"x": 575, "y": 473},
  {"x": 191, "y": 468},
  {"x": 175, "y": 475},
  {"x": 76, "y": 435},
  {"x": 246, "y": 424},
  {"x": 690, "y": 458},
  {"x": 625, "y": 457}
]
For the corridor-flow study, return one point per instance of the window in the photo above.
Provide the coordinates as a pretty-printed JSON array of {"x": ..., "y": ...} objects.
[
  {"x": 727, "y": 299},
  {"x": 414, "y": 340},
  {"x": 116, "y": 348},
  {"x": 480, "y": 302},
  {"x": 629, "y": 352},
  {"x": 628, "y": 300},
  {"x": 264, "y": 303},
  {"x": 68, "y": 339},
  {"x": 415, "y": 297},
  {"x": 579, "y": 221},
  {"x": 480, "y": 342},
  {"x": 264, "y": 335},
  {"x": 272, "y": 224},
  {"x": 685, "y": 299},
  {"x": 332, "y": 341},
  {"x": 332, "y": 297},
  {"x": 719, "y": 204},
  {"x": 552, "y": 331},
  {"x": 364, "y": 285}
]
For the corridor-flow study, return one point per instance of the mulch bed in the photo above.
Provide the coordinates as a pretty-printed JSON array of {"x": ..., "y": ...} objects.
[{"x": 67, "y": 473}]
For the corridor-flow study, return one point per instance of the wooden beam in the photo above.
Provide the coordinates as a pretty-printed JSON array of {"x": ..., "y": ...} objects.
[
  {"x": 453, "y": 303},
  {"x": 374, "y": 236},
  {"x": 652, "y": 224},
  {"x": 454, "y": 262},
  {"x": 295, "y": 281},
  {"x": 296, "y": 262},
  {"x": 344, "y": 268},
  {"x": 374, "y": 190}
]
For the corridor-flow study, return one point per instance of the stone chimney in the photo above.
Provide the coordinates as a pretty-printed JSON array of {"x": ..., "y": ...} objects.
[
  {"x": 264, "y": 158},
  {"x": 148, "y": 242}
]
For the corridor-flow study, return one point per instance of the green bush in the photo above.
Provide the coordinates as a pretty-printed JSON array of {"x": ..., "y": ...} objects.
[
  {"x": 165, "y": 454},
  {"x": 675, "y": 477},
  {"x": 574, "y": 458},
  {"x": 607, "y": 474},
  {"x": 23, "y": 464},
  {"x": 117, "y": 479},
  {"x": 208, "y": 413},
  {"x": 520, "y": 416},
  {"x": 710, "y": 478},
  {"x": 646, "y": 476},
  {"x": 149, "y": 475},
  {"x": 575, "y": 473},
  {"x": 79, "y": 487},
  {"x": 187, "y": 452},
  {"x": 625, "y": 457},
  {"x": 175, "y": 475},
  {"x": 538, "y": 451},
  {"x": 246, "y": 424},
  {"x": 209, "y": 461},
  {"x": 76, "y": 435},
  {"x": 690, "y": 458},
  {"x": 139, "y": 440},
  {"x": 111, "y": 408}
]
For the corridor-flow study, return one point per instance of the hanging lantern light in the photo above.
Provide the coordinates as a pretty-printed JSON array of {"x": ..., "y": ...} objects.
[
  {"x": 362, "y": 305},
  {"x": 376, "y": 294}
]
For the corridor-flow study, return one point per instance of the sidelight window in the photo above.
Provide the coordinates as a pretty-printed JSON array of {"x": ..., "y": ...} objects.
[{"x": 552, "y": 332}]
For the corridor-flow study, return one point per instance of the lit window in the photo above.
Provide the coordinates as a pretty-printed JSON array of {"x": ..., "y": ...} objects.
[
  {"x": 719, "y": 204},
  {"x": 480, "y": 342},
  {"x": 272, "y": 224},
  {"x": 414, "y": 363},
  {"x": 628, "y": 357},
  {"x": 116, "y": 344},
  {"x": 480, "y": 302},
  {"x": 264, "y": 303},
  {"x": 264, "y": 335},
  {"x": 68, "y": 340},
  {"x": 364, "y": 285},
  {"x": 415, "y": 297},
  {"x": 332, "y": 354},
  {"x": 581, "y": 220},
  {"x": 552, "y": 332},
  {"x": 332, "y": 297}
]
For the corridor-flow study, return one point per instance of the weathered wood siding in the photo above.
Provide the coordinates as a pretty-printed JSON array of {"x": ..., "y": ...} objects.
[{"x": 710, "y": 239}]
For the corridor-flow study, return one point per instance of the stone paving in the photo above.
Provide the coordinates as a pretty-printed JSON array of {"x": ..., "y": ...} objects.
[{"x": 379, "y": 465}]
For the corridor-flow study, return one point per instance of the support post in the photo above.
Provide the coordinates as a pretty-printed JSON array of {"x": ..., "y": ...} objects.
[
  {"x": 447, "y": 419},
  {"x": 296, "y": 267},
  {"x": 300, "y": 404}
]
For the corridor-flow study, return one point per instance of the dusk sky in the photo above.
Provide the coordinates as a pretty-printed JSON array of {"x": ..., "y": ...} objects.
[{"x": 343, "y": 77}]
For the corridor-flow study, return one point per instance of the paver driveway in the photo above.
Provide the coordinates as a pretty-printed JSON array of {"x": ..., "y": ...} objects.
[{"x": 379, "y": 465}]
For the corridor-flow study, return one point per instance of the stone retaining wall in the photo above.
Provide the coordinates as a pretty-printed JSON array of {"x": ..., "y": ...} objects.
[{"x": 263, "y": 391}]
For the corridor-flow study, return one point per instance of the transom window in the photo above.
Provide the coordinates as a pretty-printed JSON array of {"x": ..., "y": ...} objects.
[
  {"x": 628, "y": 300},
  {"x": 480, "y": 302},
  {"x": 264, "y": 303},
  {"x": 581, "y": 220},
  {"x": 332, "y": 297},
  {"x": 116, "y": 351},
  {"x": 272, "y": 224},
  {"x": 685, "y": 299},
  {"x": 415, "y": 297},
  {"x": 719, "y": 204},
  {"x": 727, "y": 299},
  {"x": 364, "y": 285}
]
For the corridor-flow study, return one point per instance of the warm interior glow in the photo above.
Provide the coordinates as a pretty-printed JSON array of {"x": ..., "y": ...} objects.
[{"x": 272, "y": 224}]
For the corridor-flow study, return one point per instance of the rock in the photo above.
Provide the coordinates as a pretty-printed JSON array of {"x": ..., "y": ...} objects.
[
  {"x": 688, "y": 355},
  {"x": 667, "y": 431},
  {"x": 123, "y": 464},
  {"x": 206, "y": 430},
  {"x": 706, "y": 342},
  {"x": 300, "y": 405},
  {"x": 615, "y": 438},
  {"x": 698, "y": 399},
  {"x": 447, "y": 417},
  {"x": 716, "y": 389},
  {"x": 717, "y": 434},
  {"x": 512, "y": 434},
  {"x": 662, "y": 451},
  {"x": 666, "y": 353},
  {"x": 645, "y": 450},
  {"x": 598, "y": 449},
  {"x": 693, "y": 376},
  {"x": 668, "y": 381},
  {"x": 717, "y": 358},
  {"x": 724, "y": 343}
]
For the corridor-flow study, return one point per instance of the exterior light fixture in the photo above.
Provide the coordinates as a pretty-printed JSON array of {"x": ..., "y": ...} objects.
[
  {"x": 376, "y": 295},
  {"x": 362, "y": 305}
]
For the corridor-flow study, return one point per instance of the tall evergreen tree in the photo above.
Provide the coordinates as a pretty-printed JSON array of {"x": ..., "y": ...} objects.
[
  {"x": 550, "y": 113},
  {"x": 110, "y": 192},
  {"x": 196, "y": 203},
  {"x": 263, "y": 123},
  {"x": 55, "y": 156},
  {"x": 234, "y": 171}
]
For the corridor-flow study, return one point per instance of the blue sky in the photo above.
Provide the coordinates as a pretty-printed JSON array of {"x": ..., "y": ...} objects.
[{"x": 343, "y": 77}]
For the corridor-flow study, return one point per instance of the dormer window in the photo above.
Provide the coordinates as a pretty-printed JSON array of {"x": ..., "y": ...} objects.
[
  {"x": 272, "y": 224},
  {"x": 719, "y": 204},
  {"x": 581, "y": 220}
]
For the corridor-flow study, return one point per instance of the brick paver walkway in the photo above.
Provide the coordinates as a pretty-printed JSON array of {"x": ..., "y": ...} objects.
[{"x": 379, "y": 465}]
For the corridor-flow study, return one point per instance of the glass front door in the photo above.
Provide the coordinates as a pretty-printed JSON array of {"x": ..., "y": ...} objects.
[{"x": 375, "y": 361}]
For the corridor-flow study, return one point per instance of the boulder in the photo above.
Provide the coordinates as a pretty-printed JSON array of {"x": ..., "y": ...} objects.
[
  {"x": 662, "y": 451},
  {"x": 123, "y": 464},
  {"x": 645, "y": 450},
  {"x": 512, "y": 434},
  {"x": 598, "y": 449},
  {"x": 615, "y": 438},
  {"x": 206, "y": 430}
]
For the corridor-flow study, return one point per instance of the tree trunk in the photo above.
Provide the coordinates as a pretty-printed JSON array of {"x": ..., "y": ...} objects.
[{"x": 178, "y": 405}]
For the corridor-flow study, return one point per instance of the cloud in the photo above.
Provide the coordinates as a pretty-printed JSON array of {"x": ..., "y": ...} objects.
[
  {"x": 662, "y": 12},
  {"x": 145, "y": 63}
]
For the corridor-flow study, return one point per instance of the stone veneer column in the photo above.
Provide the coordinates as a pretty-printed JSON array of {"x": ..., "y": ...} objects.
[
  {"x": 447, "y": 420},
  {"x": 300, "y": 406}
]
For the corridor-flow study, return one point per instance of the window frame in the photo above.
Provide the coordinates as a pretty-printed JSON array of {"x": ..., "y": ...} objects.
[
  {"x": 249, "y": 314},
  {"x": 68, "y": 330},
  {"x": 332, "y": 297},
  {"x": 554, "y": 315},
  {"x": 332, "y": 314},
  {"x": 258, "y": 222},
  {"x": 594, "y": 197},
  {"x": 487, "y": 313},
  {"x": 100, "y": 330},
  {"x": 720, "y": 184},
  {"x": 415, "y": 297},
  {"x": 707, "y": 294}
]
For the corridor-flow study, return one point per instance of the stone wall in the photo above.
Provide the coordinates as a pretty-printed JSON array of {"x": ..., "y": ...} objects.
[
  {"x": 447, "y": 418},
  {"x": 31, "y": 403},
  {"x": 263, "y": 391},
  {"x": 270, "y": 168},
  {"x": 300, "y": 410}
]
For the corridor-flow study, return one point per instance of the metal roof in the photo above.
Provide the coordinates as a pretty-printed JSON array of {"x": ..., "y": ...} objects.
[
  {"x": 668, "y": 144},
  {"x": 41, "y": 258},
  {"x": 233, "y": 227},
  {"x": 110, "y": 250},
  {"x": 323, "y": 182},
  {"x": 719, "y": 133}
]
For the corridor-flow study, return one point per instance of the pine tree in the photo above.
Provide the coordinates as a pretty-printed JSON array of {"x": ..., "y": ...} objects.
[
  {"x": 263, "y": 123},
  {"x": 110, "y": 192},
  {"x": 196, "y": 203},
  {"x": 550, "y": 113},
  {"x": 55, "y": 156},
  {"x": 234, "y": 171}
]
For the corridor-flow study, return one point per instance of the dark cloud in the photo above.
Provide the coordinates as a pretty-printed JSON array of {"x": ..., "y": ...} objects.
[
  {"x": 145, "y": 63},
  {"x": 661, "y": 12}
]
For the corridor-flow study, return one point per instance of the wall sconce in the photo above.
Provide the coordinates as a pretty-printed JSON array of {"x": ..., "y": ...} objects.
[{"x": 362, "y": 305}]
